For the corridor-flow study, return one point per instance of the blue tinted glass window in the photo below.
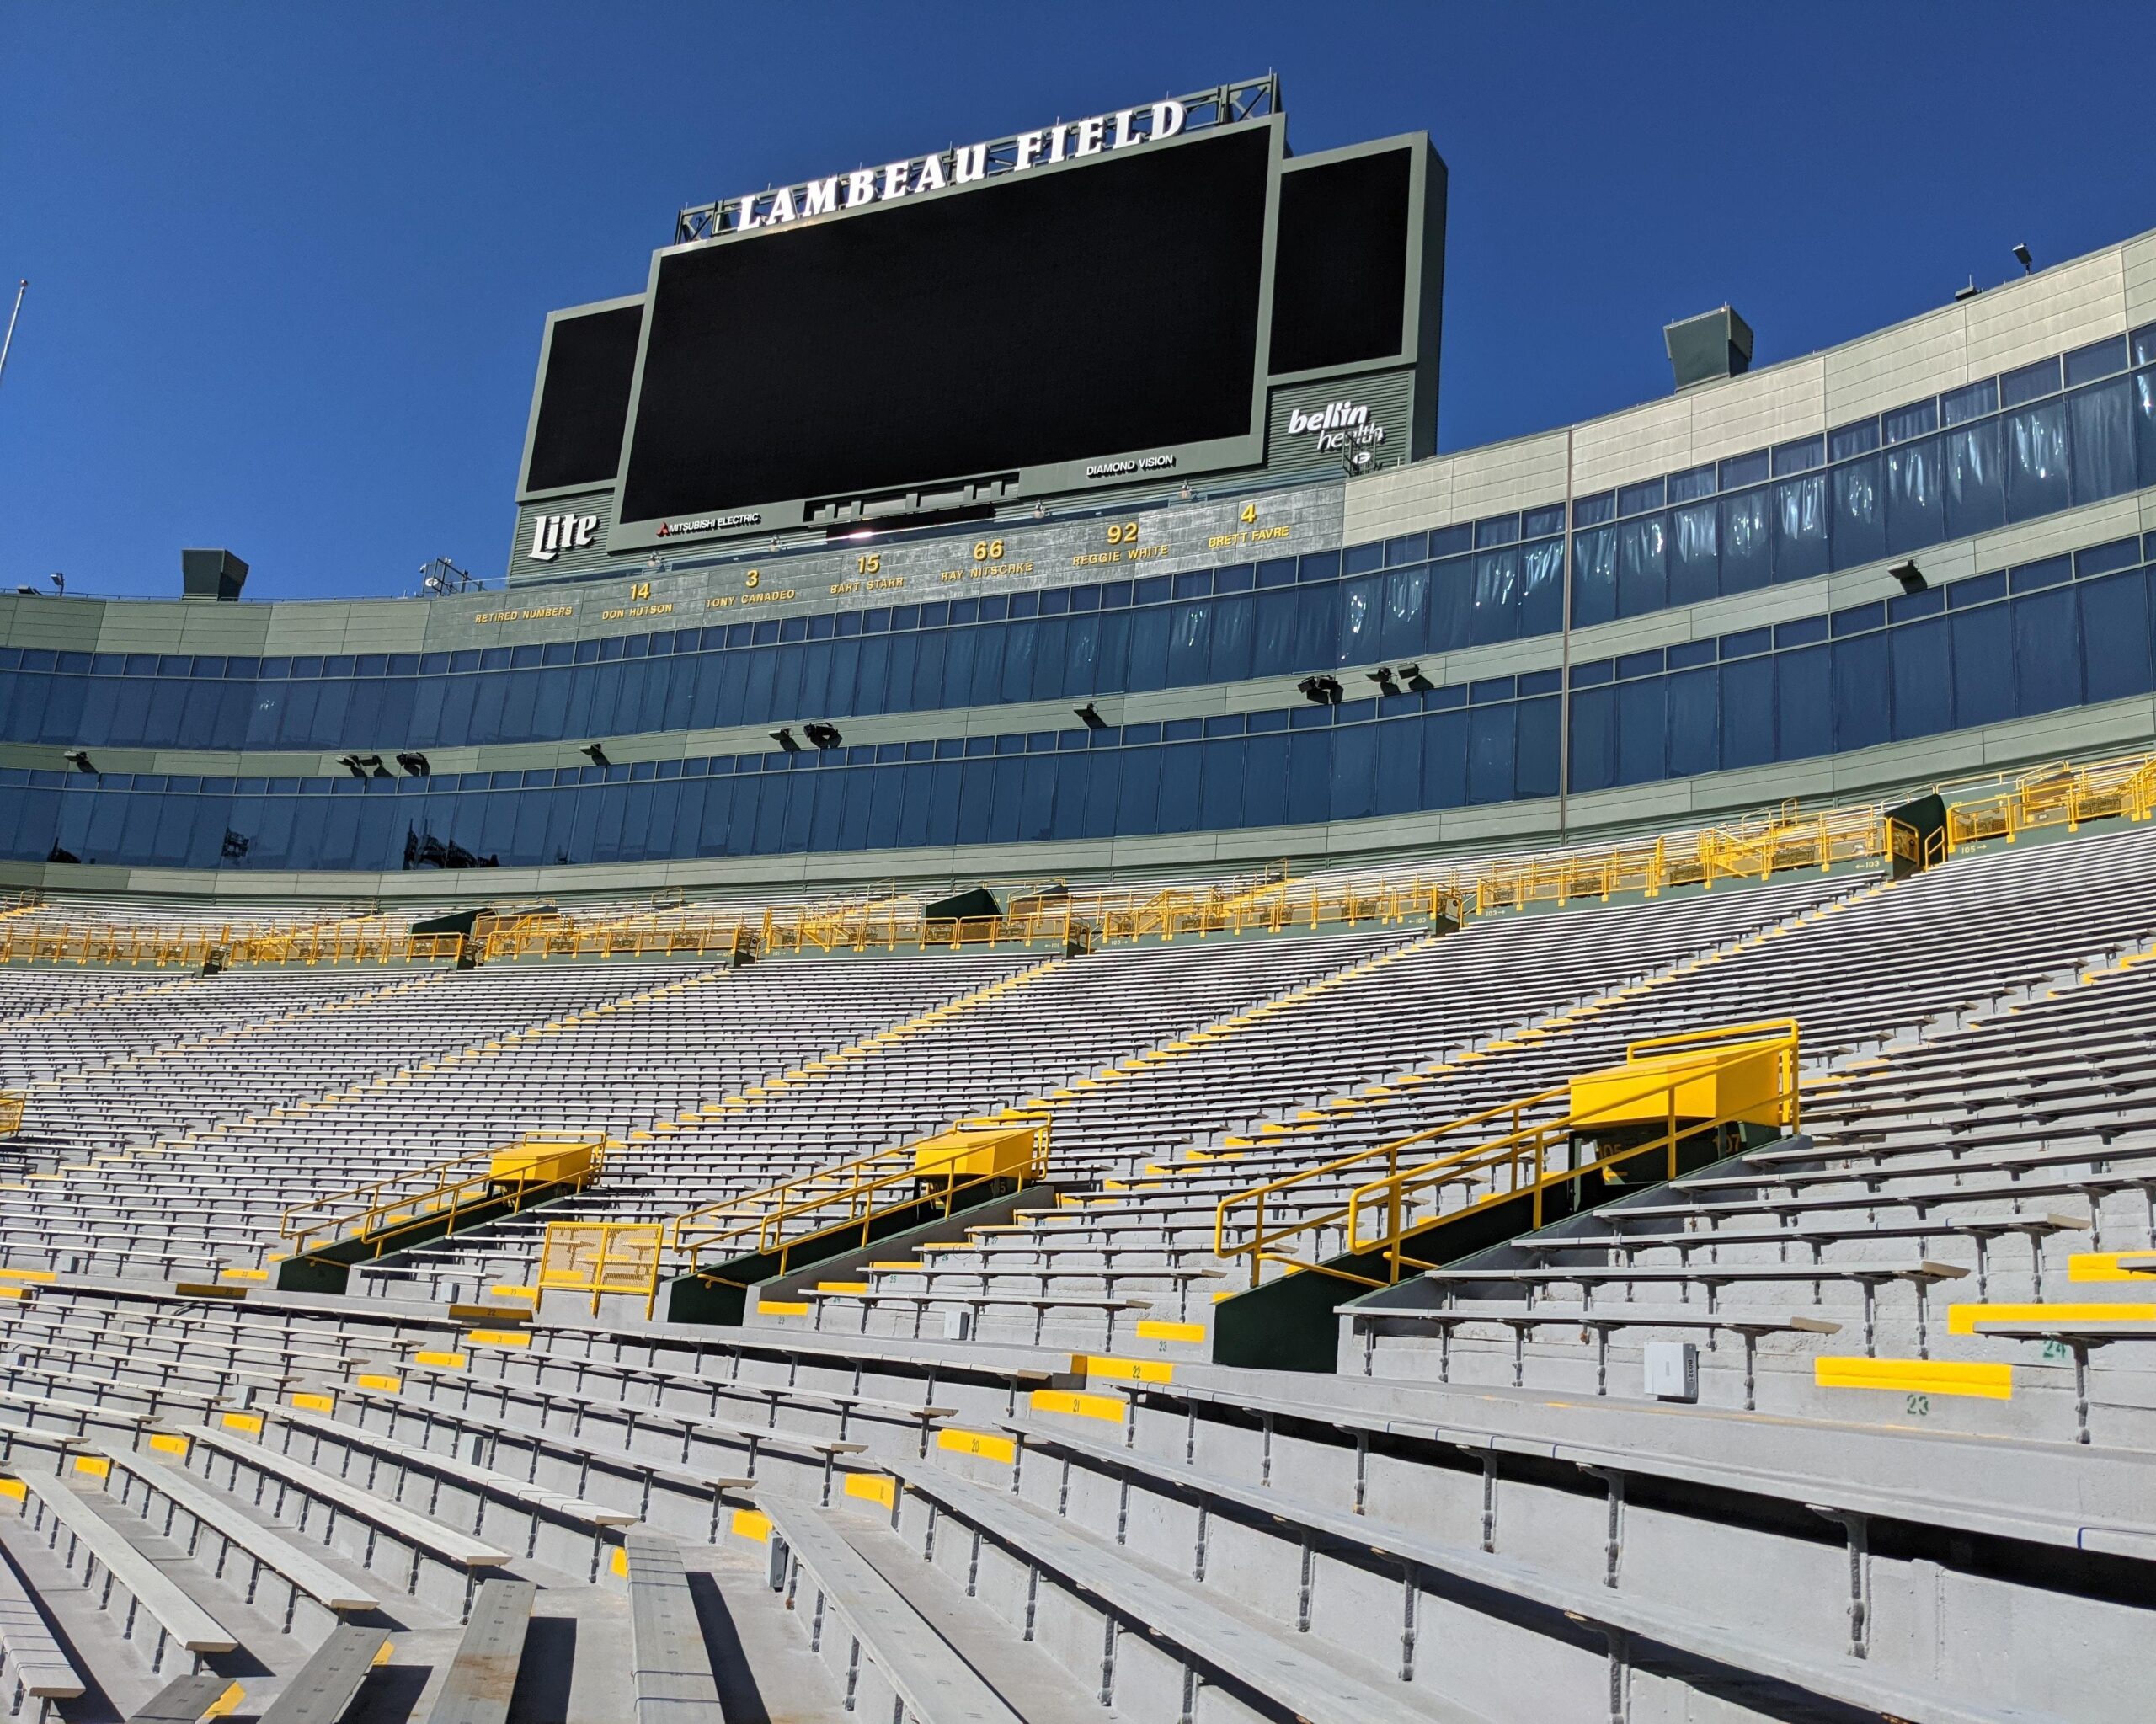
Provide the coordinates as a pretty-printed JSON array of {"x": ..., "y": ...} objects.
[
  {"x": 1860, "y": 438},
  {"x": 1919, "y": 419},
  {"x": 1747, "y": 469},
  {"x": 1972, "y": 403},
  {"x": 2099, "y": 358},
  {"x": 1592, "y": 511},
  {"x": 1687, "y": 487},
  {"x": 1631, "y": 499},
  {"x": 1799, "y": 456},
  {"x": 1498, "y": 529},
  {"x": 2029, "y": 383}
]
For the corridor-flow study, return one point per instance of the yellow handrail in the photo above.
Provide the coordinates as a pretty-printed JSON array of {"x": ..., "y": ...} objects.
[
  {"x": 1525, "y": 1142},
  {"x": 600, "y": 1257},
  {"x": 11, "y": 1103},
  {"x": 399, "y": 1202},
  {"x": 832, "y": 1199}
]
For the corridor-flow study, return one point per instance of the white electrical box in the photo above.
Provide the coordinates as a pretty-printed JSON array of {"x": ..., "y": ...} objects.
[
  {"x": 958, "y": 1326},
  {"x": 1672, "y": 1370}
]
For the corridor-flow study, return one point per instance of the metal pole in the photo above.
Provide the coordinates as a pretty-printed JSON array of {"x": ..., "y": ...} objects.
[{"x": 22, "y": 287}]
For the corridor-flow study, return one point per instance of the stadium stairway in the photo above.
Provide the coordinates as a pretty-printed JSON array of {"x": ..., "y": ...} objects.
[
  {"x": 953, "y": 1526},
  {"x": 1145, "y": 1233}
]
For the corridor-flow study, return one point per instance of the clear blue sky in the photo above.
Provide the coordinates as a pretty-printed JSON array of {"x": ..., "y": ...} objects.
[{"x": 289, "y": 264}]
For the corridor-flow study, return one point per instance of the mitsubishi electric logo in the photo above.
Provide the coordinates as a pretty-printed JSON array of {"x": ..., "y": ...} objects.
[
  {"x": 553, "y": 534},
  {"x": 1344, "y": 426}
]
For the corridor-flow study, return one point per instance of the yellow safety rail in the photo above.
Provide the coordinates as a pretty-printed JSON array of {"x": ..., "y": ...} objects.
[
  {"x": 193, "y": 946},
  {"x": 940, "y": 1170},
  {"x": 600, "y": 1257},
  {"x": 388, "y": 1209},
  {"x": 11, "y": 1102},
  {"x": 1670, "y": 1089},
  {"x": 2057, "y": 795},
  {"x": 1754, "y": 849}
]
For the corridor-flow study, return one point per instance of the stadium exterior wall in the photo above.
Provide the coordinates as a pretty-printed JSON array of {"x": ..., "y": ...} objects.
[{"x": 1590, "y": 498}]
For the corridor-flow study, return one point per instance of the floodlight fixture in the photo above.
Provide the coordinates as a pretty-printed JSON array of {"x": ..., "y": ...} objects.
[
  {"x": 1412, "y": 676},
  {"x": 2021, "y": 256},
  {"x": 417, "y": 765},
  {"x": 1383, "y": 677},
  {"x": 1911, "y": 577},
  {"x": 597, "y": 753},
  {"x": 823, "y": 734},
  {"x": 785, "y": 738},
  {"x": 1089, "y": 715},
  {"x": 76, "y": 758}
]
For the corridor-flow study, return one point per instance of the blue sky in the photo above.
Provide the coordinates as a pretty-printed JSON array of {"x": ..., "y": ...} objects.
[{"x": 289, "y": 264}]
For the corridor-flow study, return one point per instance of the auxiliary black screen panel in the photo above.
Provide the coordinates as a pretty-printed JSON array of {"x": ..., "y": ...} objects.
[
  {"x": 1340, "y": 269},
  {"x": 583, "y": 404},
  {"x": 1050, "y": 316}
]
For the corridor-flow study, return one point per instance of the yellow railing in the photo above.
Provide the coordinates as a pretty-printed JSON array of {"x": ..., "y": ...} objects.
[
  {"x": 2058, "y": 795},
  {"x": 941, "y": 1170},
  {"x": 600, "y": 1257},
  {"x": 1521, "y": 1155},
  {"x": 500, "y": 1181},
  {"x": 1755, "y": 847},
  {"x": 11, "y": 1102},
  {"x": 1751, "y": 849},
  {"x": 192, "y": 948}
]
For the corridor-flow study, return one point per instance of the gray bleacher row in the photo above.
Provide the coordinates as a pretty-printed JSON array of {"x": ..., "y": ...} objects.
[
  {"x": 393, "y": 1083},
  {"x": 1988, "y": 1122},
  {"x": 1071, "y": 1021},
  {"x": 1367, "y": 1046},
  {"x": 1855, "y": 973}
]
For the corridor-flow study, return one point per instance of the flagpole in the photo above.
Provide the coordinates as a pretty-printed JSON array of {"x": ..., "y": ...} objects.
[{"x": 22, "y": 287}]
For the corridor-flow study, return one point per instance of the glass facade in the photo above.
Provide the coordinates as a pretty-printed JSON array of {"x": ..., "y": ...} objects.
[
  {"x": 2069, "y": 631},
  {"x": 2067, "y": 431}
]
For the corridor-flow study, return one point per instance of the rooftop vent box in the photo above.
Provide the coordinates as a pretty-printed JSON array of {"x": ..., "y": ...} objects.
[
  {"x": 210, "y": 574},
  {"x": 1708, "y": 348}
]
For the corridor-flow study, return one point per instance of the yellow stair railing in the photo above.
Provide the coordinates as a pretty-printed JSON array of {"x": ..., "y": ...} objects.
[
  {"x": 600, "y": 1257},
  {"x": 501, "y": 1181},
  {"x": 1670, "y": 1089},
  {"x": 11, "y": 1103},
  {"x": 943, "y": 1170}
]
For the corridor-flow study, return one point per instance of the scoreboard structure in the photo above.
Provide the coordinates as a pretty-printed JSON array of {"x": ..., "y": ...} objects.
[{"x": 1096, "y": 314}]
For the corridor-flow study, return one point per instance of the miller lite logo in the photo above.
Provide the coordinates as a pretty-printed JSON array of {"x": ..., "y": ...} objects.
[{"x": 553, "y": 534}]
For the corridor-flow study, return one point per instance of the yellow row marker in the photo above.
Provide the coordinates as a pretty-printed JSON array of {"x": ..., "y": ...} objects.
[
  {"x": 873, "y": 1486},
  {"x": 841, "y": 1287},
  {"x": 96, "y": 1465},
  {"x": 1916, "y": 1376},
  {"x": 781, "y": 1307},
  {"x": 378, "y": 1379},
  {"x": 1124, "y": 1370},
  {"x": 980, "y": 1443},
  {"x": 1107, "y": 1408},
  {"x": 13, "y": 1489},
  {"x": 2112, "y": 1266},
  {"x": 1962, "y": 1319},
  {"x": 496, "y": 1337},
  {"x": 242, "y": 1421},
  {"x": 1153, "y": 1329},
  {"x": 165, "y": 1443},
  {"x": 447, "y": 1361},
  {"x": 750, "y": 1524},
  {"x": 315, "y": 1403}
]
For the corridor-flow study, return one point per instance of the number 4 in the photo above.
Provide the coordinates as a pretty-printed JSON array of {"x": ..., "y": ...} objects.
[{"x": 1249, "y": 513}]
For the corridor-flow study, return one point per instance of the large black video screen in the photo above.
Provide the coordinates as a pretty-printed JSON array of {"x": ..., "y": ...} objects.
[
  {"x": 1340, "y": 263},
  {"x": 1047, "y": 317},
  {"x": 584, "y": 403}
]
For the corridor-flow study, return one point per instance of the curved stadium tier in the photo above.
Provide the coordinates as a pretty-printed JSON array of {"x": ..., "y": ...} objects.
[{"x": 1499, "y": 1085}]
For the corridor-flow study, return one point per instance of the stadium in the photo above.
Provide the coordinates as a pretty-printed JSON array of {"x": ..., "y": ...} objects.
[{"x": 1147, "y": 1053}]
